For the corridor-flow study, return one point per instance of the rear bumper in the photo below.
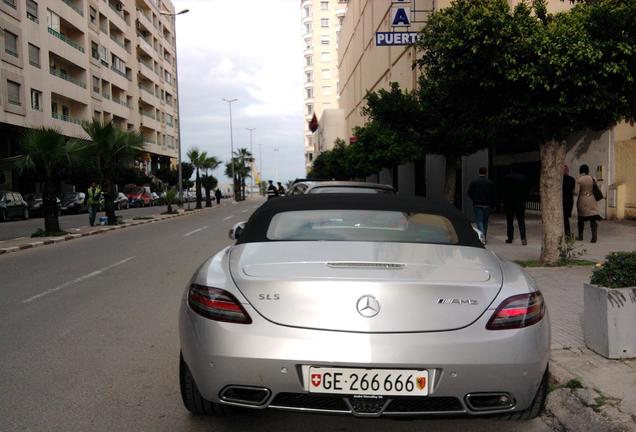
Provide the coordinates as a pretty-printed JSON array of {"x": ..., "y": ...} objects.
[{"x": 461, "y": 362}]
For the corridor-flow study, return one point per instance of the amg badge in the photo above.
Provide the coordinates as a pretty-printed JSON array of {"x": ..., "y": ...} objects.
[{"x": 459, "y": 301}]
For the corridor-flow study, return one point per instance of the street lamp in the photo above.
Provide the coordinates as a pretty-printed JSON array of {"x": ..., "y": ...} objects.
[
  {"x": 252, "y": 152},
  {"x": 176, "y": 72},
  {"x": 229, "y": 102}
]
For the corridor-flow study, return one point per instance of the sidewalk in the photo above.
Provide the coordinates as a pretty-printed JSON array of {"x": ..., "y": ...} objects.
[
  {"x": 608, "y": 400},
  {"x": 16, "y": 245}
]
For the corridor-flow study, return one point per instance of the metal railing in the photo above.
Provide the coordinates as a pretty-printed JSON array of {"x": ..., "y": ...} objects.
[
  {"x": 121, "y": 44},
  {"x": 120, "y": 102},
  {"x": 147, "y": 90},
  {"x": 149, "y": 115},
  {"x": 114, "y": 69},
  {"x": 65, "y": 118},
  {"x": 68, "y": 78},
  {"x": 11, "y": 3},
  {"x": 72, "y": 5},
  {"x": 63, "y": 38}
]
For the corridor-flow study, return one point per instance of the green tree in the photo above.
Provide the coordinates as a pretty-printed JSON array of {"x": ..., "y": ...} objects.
[
  {"x": 109, "y": 146},
  {"x": 170, "y": 198},
  {"x": 494, "y": 73},
  {"x": 47, "y": 156},
  {"x": 241, "y": 160},
  {"x": 209, "y": 182},
  {"x": 197, "y": 159}
]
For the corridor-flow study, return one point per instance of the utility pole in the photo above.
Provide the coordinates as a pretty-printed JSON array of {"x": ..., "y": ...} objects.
[
  {"x": 252, "y": 152},
  {"x": 229, "y": 102}
]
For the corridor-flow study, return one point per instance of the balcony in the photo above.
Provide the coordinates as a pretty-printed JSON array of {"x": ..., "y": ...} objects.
[
  {"x": 149, "y": 121},
  {"x": 67, "y": 40},
  {"x": 145, "y": 46},
  {"x": 68, "y": 78},
  {"x": 118, "y": 72},
  {"x": 121, "y": 102},
  {"x": 73, "y": 6},
  {"x": 66, "y": 118}
]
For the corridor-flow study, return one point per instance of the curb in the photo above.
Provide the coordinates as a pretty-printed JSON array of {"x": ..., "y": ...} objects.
[
  {"x": 68, "y": 237},
  {"x": 579, "y": 410}
]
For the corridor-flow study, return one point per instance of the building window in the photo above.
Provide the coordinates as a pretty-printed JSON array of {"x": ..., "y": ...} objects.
[
  {"x": 324, "y": 40},
  {"x": 34, "y": 55},
  {"x": 308, "y": 60},
  {"x": 118, "y": 64},
  {"x": 96, "y": 85},
  {"x": 310, "y": 92},
  {"x": 308, "y": 43},
  {"x": 53, "y": 20},
  {"x": 92, "y": 13},
  {"x": 32, "y": 10},
  {"x": 324, "y": 22},
  {"x": 36, "y": 100},
  {"x": 11, "y": 3},
  {"x": 325, "y": 56},
  {"x": 307, "y": 11},
  {"x": 326, "y": 91},
  {"x": 94, "y": 50},
  {"x": 308, "y": 27},
  {"x": 324, "y": 5},
  {"x": 308, "y": 76},
  {"x": 10, "y": 43},
  {"x": 310, "y": 109},
  {"x": 326, "y": 74},
  {"x": 310, "y": 156},
  {"x": 103, "y": 55},
  {"x": 13, "y": 93}
]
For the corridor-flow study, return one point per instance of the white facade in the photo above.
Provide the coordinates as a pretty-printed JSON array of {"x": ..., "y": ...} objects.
[
  {"x": 62, "y": 62},
  {"x": 321, "y": 21}
]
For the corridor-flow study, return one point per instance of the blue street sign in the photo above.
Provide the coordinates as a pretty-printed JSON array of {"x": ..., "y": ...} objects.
[{"x": 395, "y": 38}]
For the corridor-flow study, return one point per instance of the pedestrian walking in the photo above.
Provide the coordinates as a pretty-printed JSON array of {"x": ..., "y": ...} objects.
[
  {"x": 271, "y": 190},
  {"x": 280, "y": 189},
  {"x": 586, "y": 207},
  {"x": 93, "y": 197},
  {"x": 217, "y": 195},
  {"x": 515, "y": 194},
  {"x": 569, "y": 184},
  {"x": 482, "y": 192}
]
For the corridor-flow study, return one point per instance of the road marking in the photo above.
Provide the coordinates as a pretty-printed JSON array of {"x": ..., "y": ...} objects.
[
  {"x": 245, "y": 211},
  {"x": 195, "y": 231},
  {"x": 228, "y": 218},
  {"x": 76, "y": 281}
]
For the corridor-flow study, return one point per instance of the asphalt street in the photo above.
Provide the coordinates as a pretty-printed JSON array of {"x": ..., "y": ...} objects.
[
  {"x": 15, "y": 228},
  {"x": 89, "y": 339}
]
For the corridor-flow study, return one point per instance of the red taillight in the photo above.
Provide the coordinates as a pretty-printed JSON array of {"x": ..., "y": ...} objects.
[
  {"x": 217, "y": 304},
  {"x": 517, "y": 312}
]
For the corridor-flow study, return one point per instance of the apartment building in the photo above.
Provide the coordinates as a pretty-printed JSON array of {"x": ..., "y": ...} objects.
[
  {"x": 366, "y": 66},
  {"x": 321, "y": 20},
  {"x": 66, "y": 61}
]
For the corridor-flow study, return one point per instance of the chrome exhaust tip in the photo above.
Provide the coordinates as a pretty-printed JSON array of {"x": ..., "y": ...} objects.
[{"x": 244, "y": 395}]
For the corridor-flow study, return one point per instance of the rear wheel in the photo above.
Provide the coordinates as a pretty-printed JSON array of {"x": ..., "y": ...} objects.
[
  {"x": 538, "y": 403},
  {"x": 25, "y": 214},
  {"x": 3, "y": 215},
  {"x": 192, "y": 399}
]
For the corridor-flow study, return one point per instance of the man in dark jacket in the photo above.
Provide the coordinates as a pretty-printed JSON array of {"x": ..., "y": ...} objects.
[
  {"x": 482, "y": 192},
  {"x": 217, "y": 195},
  {"x": 515, "y": 194},
  {"x": 569, "y": 184},
  {"x": 271, "y": 190}
]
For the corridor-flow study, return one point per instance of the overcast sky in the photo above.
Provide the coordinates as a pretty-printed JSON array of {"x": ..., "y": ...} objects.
[{"x": 250, "y": 50}]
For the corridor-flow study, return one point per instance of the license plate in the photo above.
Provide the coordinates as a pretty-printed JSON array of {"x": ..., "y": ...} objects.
[{"x": 380, "y": 382}]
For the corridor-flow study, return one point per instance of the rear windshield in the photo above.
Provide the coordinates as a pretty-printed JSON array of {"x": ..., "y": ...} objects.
[
  {"x": 349, "y": 189},
  {"x": 362, "y": 225}
]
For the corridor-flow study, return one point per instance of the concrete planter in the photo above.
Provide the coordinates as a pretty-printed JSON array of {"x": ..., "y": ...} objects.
[{"x": 609, "y": 321}]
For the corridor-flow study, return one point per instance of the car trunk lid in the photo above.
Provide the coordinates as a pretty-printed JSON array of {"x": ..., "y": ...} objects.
[{"x": 328, "y": 285}]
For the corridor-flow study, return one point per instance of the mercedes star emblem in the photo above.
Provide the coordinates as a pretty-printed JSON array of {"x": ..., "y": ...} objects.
[{"x": 368, "y": 306}]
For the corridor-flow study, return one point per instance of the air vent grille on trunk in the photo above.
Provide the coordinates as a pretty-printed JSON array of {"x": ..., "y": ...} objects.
[{"x": 367, "y": 265}]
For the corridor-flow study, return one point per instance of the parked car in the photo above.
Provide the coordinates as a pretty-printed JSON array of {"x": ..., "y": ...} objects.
[
  {"x": 121, "y": 202},
  {"x": 138, "y": 196},
  {"x": 35, "y": 202},
  {"x": 73, "y": 202},
  {"x": 12, "y": 205},
  {"x": 349, "y": 304},
  {"x": 315, "y": 187}
]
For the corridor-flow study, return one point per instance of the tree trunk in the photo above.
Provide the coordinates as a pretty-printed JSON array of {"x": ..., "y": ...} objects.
[
  {"x": 552, "y": 158},
  {"x": 49, "y": 208},
  {"x": 109, "y": 202},
  {"x": 450, "y": 181},
  {"x": 198, "y": 186},
  {"x": 208, "y": 200}
]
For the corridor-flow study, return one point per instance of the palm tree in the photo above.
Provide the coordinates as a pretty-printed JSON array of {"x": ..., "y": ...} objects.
[
  {"x": 209, "y": 182},
  {"x": 197, "y": 159},
  {"x": 109, "y": 146},
  {"x": 47, "y": 154},
  {"x": 245, "y": 161},
  {"x": 169, "y": 198}
]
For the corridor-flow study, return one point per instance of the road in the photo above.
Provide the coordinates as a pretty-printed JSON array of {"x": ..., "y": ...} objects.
[
  {"x": 89, "y": 339},
  {"x": 15, "y": 228}
]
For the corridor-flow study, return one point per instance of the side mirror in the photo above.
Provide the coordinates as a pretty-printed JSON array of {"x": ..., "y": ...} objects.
[
  {"x": 236, "y": 230},
  {"x": 482, "y": 237}
]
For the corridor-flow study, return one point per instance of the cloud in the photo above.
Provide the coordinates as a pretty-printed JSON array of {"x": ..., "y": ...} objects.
[{"x": 249, "y": 50}]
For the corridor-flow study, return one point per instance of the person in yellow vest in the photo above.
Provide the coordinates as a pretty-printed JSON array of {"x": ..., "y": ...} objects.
[{"x": 93, "y": 196}]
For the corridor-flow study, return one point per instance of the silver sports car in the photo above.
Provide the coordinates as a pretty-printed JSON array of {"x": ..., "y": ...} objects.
[{"x": 350, "y": 304}]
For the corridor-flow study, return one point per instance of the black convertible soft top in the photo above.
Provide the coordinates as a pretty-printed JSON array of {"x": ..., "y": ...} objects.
[{"x": 258, "y": 224}]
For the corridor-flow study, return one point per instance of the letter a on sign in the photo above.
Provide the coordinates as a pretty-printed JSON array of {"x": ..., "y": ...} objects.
[{"x": 400, "y": 17}]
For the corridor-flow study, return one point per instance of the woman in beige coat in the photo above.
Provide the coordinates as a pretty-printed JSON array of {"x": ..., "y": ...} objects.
[{"x": 586, "y": 203}]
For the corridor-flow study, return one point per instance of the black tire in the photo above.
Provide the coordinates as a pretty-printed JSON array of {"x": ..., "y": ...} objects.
[
  {"x": 537, "y": 405},
  {"x": 25, "y": 214},
  {"x": 3, "y": 216},
  {"x": 192, "y": 399}
]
